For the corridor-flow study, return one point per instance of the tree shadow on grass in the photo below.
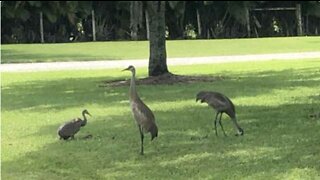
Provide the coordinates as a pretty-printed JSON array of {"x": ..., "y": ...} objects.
[
  {"x": 276, "y": 142},
  {"x": 58, "y": 94},
  {"x": 74, "y": 92},
  {"x": 277, "y": 139},
  {"x": 165, "y": 79}
]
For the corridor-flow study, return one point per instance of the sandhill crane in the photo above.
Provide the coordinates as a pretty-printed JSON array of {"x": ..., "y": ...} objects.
[
  {"x": 221, "y": 104},
  {"x": 141, "y": 112},
  {"x": 70, "y": 128}
]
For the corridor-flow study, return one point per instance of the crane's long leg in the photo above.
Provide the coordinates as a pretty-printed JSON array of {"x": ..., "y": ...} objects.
[
  {"x": 142, "y": 136},
  {"x": 215, "y": 123},
  {"x": 221, "y": 124}
]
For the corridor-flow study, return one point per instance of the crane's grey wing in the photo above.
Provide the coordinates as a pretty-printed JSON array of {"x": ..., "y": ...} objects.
[
  {"x": 214, "y": 99},
  {"x": 70, "y": 128},
  {"x": 217, "y": 100},
  {"x": 225, "y": 104},
  {"x": 231, "y": 104},
  {"x": 142, "y": 110},
  {"x": 143, "y": 115}
]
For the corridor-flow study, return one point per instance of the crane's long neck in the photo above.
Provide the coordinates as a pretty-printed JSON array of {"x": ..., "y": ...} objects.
[
  {"x": 84, "y": 122},
  {"x": 133, "y": 91},
  {"x": 236, "y": 125}
]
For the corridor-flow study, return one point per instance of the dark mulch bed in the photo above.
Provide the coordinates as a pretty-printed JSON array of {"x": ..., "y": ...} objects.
[{"x": 164, "y": 79}]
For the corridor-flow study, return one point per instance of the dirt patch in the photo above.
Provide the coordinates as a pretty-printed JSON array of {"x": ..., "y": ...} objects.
[{"x": 167, "y": 78}]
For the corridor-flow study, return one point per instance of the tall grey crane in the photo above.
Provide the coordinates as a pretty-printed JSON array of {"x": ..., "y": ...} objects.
[
  {"x": 221, "y": 104},
  {"x": 70, "y": 128},
  {"x": 141, "y": 112}
]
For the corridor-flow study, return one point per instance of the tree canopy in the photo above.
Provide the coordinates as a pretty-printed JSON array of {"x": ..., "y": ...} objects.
[{"x": 65, "y": 21}]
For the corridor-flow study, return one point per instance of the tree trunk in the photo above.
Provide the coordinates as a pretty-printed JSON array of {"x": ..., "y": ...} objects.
[
  {"x": 298, "y": 17},
  {"x": 158, "y": 55},
  {"x": 136, "y": 15},
  {"x": 307, "y": 25},
  {"x": 175, "y": 19},
  {"x": 248, "y": 22},
  {"x": 41, "y": 27},
  {"x": 93, "y": 26},
  {"x": 147, "y": 24},
  {"x": 199, "y": 23},
  {"x": 175, "y": 30}
]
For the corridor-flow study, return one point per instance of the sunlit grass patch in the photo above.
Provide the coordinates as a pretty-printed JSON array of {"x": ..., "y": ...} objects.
[{"x": 139, "y": 49}]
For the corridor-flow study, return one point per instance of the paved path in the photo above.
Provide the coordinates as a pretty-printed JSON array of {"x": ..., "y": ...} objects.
[{"x": 54, "y": 66}]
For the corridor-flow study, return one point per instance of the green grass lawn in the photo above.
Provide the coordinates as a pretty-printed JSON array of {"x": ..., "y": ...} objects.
[
  {"x": 140, "y": 49},
  {"x": 273, "y": 100}
]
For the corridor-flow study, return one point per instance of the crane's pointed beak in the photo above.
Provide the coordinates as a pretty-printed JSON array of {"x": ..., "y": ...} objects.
[
  {"x": 126, "y": 69},
  {"x": 89, "y": 114}
]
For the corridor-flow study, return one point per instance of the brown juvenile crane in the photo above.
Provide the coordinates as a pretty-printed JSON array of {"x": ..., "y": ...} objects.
[
  {"x": 221, "y": 104},
  {"x": 141, "y": 112},
  {"x": 70, "y": 128}
]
